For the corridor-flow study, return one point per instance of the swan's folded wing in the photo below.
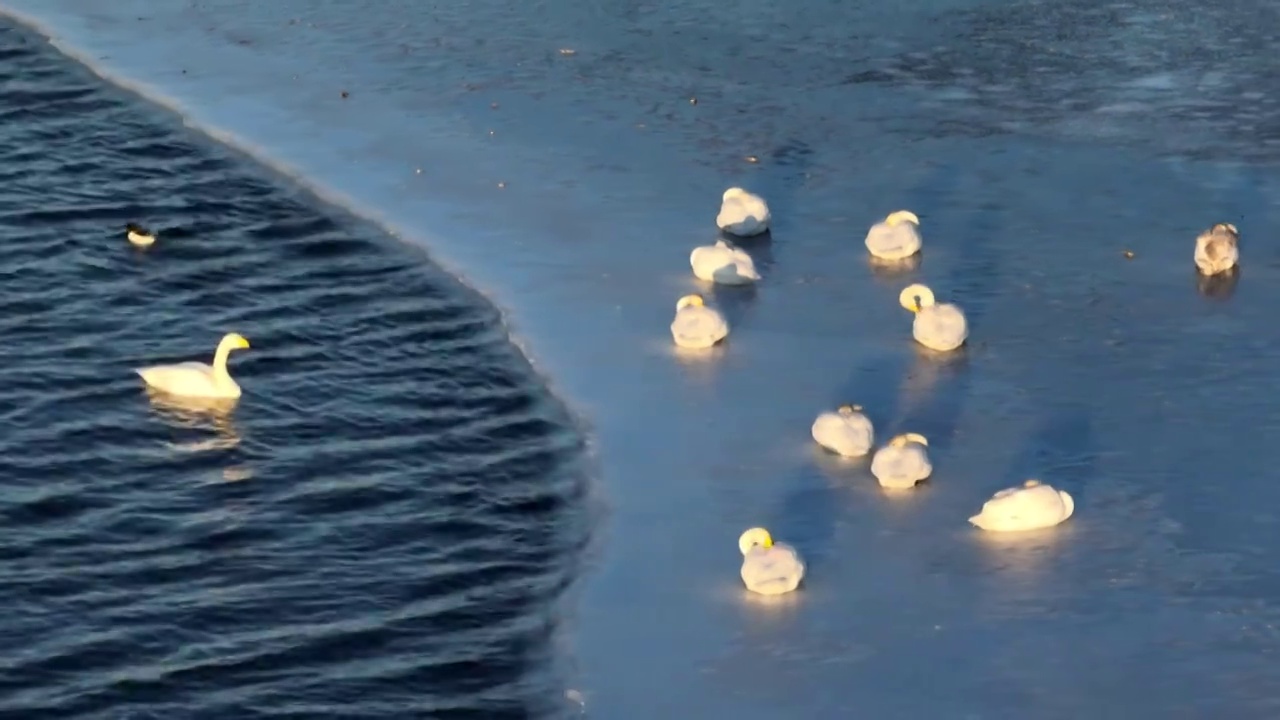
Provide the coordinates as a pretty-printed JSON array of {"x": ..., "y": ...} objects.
[
  {"x": 772, "y": 571},
  {"x": 893, "y": 242},
  {"x": 178, "y": 376},
  {"x": 699, "y": 325}
]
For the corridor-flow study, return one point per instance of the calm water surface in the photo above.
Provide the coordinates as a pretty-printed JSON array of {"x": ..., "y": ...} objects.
[{"x": 379, "y": 529}]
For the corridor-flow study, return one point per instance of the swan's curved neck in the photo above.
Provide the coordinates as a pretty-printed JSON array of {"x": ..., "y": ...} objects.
[{"x": 220, "y": 362}]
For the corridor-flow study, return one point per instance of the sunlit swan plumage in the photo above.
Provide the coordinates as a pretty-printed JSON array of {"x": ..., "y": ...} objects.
[
  {"x": 897, "y": 237},
  {"x": 696, "y": 325},
  {"x": 196, "y": 379},
  {"x": 845, "y": 432},
  {"x": 138, "y": 235},
  {"x": 742, "y": 213},
  {"x": 937, "y": 326},
  {"x": 1218, "y": 249},
  {"x": 769, "y": 568},
  {"x": 724, "y": 264},
  {"x": 903, "y": 462},
  {"x": 1030, "y": 506}
]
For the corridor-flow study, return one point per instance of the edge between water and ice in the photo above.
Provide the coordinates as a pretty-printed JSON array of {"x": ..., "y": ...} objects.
[
  {"x": 415, "y": 236},
  {"x": 688, "y": 454}
]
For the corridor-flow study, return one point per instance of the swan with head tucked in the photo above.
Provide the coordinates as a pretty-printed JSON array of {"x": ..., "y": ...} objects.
[
  {"x": 845, "y": 432},
  {"x": 769, "y": 568},
  {"x": 1030, "y": 506},
  {"x": 903, "y": 462},
  {"x": 196, "y": 379},
  {"x": 696, "y": 325},
  {"x": 724, "y": 264},
  {"x": 742, "y": 213},
  {"x": 937, "y": 326},
  {"x": 1217, "y": 249},
  {"x": 897, "y": 237},
  {"x": 137, "y": 235}
]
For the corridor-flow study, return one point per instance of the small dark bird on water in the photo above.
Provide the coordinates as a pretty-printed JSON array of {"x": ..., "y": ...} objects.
[{"x": 139, "y": 235}]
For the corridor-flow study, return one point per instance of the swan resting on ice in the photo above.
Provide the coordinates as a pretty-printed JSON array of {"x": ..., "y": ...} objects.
[
  {"x": 724, "y": 264},
  {"x": 903, "y": 462},
  {"x": 696, "y": 325},
  {"x": 137, "y": 235},
  {"x": 1217, "y": 249},
  {"x": 196, "y": 379},
  {"x": 1030, "y": 506},
  {"x": 769, "y": 568},
  {"x": 845, "y": 432},
  {"x": 742, "y": 213},
  {"x": 937, "y": 326},
  {"x": 897, "y": 237}
]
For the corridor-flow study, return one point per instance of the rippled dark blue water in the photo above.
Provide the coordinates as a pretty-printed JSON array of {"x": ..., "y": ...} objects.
[{"x": 380, "y": 529}]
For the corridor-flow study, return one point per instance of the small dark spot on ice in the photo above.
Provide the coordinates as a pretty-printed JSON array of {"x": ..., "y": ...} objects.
[{"x": 345, "y": 94}]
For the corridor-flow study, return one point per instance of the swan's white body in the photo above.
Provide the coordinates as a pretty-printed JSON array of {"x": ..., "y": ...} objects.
[
  {"x": 724, "y": 264},
  {"x": 696, "y": 325},
  {"x": 1217, "y": 249},
  {"x": 140, "y": 239},
  {"x": 196, "y": 379},
  {"x": 769, "y": 568},
  {"x": 903, "y": 462},
  {"x": 937, "y": 326},
  {"x": 1030, "y": 506},
  {"x": 897, "y": 237},
  {"x": 742, "y": 213},
  {"x": 845, "y": 432}
]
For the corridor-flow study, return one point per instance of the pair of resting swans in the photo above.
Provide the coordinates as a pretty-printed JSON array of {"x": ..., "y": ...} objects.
[
  {"x": 770, "y": 568},
  {"x": 902, "y": 463}
]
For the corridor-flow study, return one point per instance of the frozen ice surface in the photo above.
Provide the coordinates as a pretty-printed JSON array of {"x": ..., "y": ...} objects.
[{"x": 1037, "y": 142}]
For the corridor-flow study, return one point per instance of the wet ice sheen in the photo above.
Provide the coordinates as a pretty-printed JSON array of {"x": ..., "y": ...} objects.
[{"x": 1138, "y": 389}]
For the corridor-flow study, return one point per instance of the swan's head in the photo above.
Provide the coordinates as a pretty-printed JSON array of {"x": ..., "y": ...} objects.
[
  {"x": 734, "y": 192},
  {"x": 848, "y": 410},
  {"x": 234, "y": 341},
  {"x": 903, "y": 439},
  {"x": 755, "y": 537},
  {"x": 689, "y": 301},
  {"x": 916, "y": 297},
  {"x": 901, "y": 216}
]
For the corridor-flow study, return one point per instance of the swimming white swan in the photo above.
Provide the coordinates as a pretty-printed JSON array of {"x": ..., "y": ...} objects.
[
  {"x": 138, "y": 235},
  {"x": 696, "y": 325},
  {"x": 1030, "y": 506},
  {"x": 196, "y": 379},
  {"x": 724, "y": 264},
  {"x": 897, "y": 237},
  {"x": 845, "y": 432},
  {"x": 1217, "y": 249},
  {"x": 903, "y": 462},
  {"x": 742, "y": 213},
  {"x": 937, "y": 326},
  {"x": 769, "y": 568}
]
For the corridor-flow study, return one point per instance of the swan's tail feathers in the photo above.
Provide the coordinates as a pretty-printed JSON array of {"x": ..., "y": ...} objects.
[{"x": 1068, "y": 504}]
